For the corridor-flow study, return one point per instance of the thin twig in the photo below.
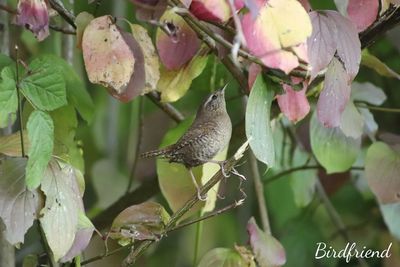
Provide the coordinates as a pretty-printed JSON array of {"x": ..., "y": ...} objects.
[
  {"x": 300, "y": 168},
  {"x": 62, "y": 30},
  {"x": 102, "y": 256},
  {"x": 383, "y": 109},
  {"x": 172, "y": 112},
  {"x": 335, "y": 217},
  {"x": 8, "y": 9},
  {"x": 21, "y": 125},
  {"x": 207, "y": 216},
  {"x": 259, "y": 188}
]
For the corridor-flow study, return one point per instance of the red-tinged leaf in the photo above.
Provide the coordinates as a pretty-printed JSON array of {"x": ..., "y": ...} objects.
[
  {"x": 211, "y": 10},
  {"x": 147, "y": 10},
  {"x": 363, "y": 12},
  {"x": 334, "y": 96},
  {"x": 263, "y": 42},
  {"x": 382, "y": 169},
  {"x": 301, "y": 51},
  {"x": 348, "y": 43},
  {"x": 139, "y": 222},
  {"x": 254, "y": 70},
  {"x": 113, "y": 58},
  {"x": 34, "y": 15},
  {"x": 179, "y": 47},
  {"x": 19, "y": 207},
  {"x": 267, "y": 250},
  {"x": 294, "y": 104},
  {"x": 322, "y": 43}
]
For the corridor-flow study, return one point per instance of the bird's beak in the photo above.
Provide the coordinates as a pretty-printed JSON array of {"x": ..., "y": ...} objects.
[{"x": 223, "y": 89}]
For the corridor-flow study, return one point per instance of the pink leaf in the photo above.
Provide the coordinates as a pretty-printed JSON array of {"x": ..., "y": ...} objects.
[
  {"x": 294, "y": 104},
  {"x": 254, "y": 70},
  {"x": 34, "y": 15},
  {"x": 261, "y": 42},
  {"x": 211, "y": 10},
  {"x": 363, "y": 12},
  {"x": 348, "y": 43},
  {"x": 322, "y": 43},
  {"x": 179, "y": 47},
  {"x": 306, "y": 5},
  {"x": 334, "y": 96},
  {"x": 267, "y": 250},
  {"x": 113, "y": 58}
]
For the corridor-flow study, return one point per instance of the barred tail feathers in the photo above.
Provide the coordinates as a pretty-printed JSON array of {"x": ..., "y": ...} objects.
[{"x": 155, "y": 153}]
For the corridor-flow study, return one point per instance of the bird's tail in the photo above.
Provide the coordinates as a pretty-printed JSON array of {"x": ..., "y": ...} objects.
[{"x": 155, "y": 153}]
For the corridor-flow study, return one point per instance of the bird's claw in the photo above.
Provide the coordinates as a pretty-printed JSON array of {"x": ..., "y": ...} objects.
[{"x": 200, "y": 197}]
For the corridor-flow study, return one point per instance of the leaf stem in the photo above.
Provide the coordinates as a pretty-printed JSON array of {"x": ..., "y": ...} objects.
[
  {"x": 197, "y": 242},
  {"x": 21, "y": 132}
]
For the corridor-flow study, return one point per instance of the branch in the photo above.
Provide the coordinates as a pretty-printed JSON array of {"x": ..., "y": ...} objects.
[
  {"x": 230, "y": 163},
  {"x": 62, "y": 30},
  {"x": 172, "y": 112},
  {"x": 8, "y": 9},
  {"x": 383, "y": 109},
  {"x": 145, "y": 191}
]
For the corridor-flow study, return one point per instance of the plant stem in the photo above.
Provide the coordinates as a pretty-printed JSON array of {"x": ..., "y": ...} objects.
[
  {"x": 259, "y": 188},
  {"x": 391, "y": 110},
  {"x": 199, "y": 230},
  {"x": 96, "y": 258},
  {"x": 139, "y": 132},
  {"x": 21, "y": 125},
  {"x": 335, "y": 217}
]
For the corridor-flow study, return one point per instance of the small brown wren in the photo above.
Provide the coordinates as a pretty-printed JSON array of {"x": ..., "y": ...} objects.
[{"x": 209, "y": 133}]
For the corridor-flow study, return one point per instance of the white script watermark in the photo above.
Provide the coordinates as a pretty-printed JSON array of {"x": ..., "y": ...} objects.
[{"x": 323, "y": 251}]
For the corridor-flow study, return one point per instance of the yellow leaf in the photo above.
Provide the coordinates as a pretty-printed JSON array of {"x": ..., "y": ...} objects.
[{"x": 291, "y": 21}]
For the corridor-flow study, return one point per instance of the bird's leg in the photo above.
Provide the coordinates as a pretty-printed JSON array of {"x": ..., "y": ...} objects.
[
  {"x": 197, "y": 186},
  {"x": 221, "y": 164}
]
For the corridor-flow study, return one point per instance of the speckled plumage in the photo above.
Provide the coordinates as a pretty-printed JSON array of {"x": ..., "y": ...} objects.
[{"x": 209, "y": 133}]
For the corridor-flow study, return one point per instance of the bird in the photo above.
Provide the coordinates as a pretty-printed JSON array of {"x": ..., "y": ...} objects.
[{"x": 209, "y": 133}]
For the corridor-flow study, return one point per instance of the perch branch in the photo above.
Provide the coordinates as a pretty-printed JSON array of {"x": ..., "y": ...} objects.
[
  {"x": 230, "y": 163},
  {"x": 172, "y": 112}
]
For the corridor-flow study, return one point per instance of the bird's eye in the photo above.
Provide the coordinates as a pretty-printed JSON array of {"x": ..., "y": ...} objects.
[{"x": 214, "y": 97}]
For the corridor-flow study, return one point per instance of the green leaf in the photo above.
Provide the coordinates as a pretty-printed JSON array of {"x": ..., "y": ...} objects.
[
  {"x": 8, "y": 96},
  {"x": 139, "y": 222},
  {"x": 41, "y": 135},
  {"x": 102, "y": 170},
  {"x": 367, "y": 92},
  {"x": 377, "y": 65},
  {"x": 18, "y": 206},
  {"x": 333, "y": 150},
  {"x": 44, "y": 85},
  {"x": 303, "y": 181},
  {"x": 5, "y": 61},
  {"x": 382, "y": 170},
  {"x": 63, "y": 201},
  {"x": 258, "y": 126},
  {"x": 223, "y": 257},
  {"x": 174, "y": 84},
  {"x": 65, "y": 145},
  {"x": 77, "y": 94}
]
